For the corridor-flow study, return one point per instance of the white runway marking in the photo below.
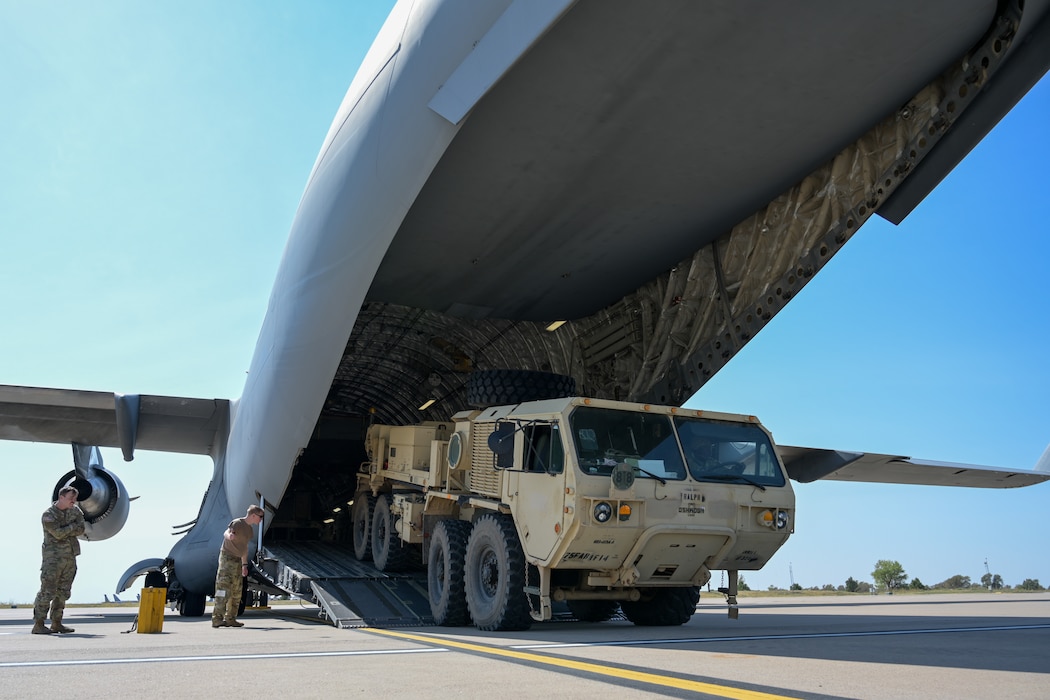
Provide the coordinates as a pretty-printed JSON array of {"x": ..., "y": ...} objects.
[{"x": 218, "y": 657}]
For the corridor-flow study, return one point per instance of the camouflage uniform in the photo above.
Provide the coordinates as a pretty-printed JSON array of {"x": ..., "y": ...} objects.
[
  {"x": 58, "y": 563},
  {"x": 228, "y": 580}
]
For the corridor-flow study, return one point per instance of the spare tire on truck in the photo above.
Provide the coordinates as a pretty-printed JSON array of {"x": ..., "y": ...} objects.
[{"x": 499, "y": 387}]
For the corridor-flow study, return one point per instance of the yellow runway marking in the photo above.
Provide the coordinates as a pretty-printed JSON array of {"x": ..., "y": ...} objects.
[{"x": 641, "y": 677}]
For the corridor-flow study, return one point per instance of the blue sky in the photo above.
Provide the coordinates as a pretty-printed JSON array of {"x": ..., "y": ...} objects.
[{"x": 152, "y": 160}]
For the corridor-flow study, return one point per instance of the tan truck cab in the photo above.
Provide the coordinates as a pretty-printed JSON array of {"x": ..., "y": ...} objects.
[{"x": 604, "y": 505}]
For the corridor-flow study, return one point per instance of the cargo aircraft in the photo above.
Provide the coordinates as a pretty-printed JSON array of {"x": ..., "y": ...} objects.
[{"x": 615, "y": 191}]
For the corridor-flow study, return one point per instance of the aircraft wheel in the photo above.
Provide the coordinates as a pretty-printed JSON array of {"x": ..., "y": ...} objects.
[
  {"x": 662, "y": 607},
  {"x": 192, "y": 604},
  {"x": 445, "y": 585},
  {"x": 495, "y": 576},
  {"x": 389, "y": 553},
  {"x": 156, "y": 579},
  {"x": 361, "y": 517},
  {"x": 593, "y": 610}
]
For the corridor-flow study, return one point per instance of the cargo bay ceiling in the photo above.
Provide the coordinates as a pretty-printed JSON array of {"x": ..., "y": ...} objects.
[{"x": 664, "y": 177}]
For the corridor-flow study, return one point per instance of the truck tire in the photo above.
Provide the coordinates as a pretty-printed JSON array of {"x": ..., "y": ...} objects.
[
  {"x": 494, "y": 574},
  {"x": 498, "y": 387},
  {"x": 662, "y": 607},
  {"x": 445, "y": 585},
  {"x": 389, "y": 553},
  {"x": 593, "y": 610},
  {"x": 361, "y": 519}
]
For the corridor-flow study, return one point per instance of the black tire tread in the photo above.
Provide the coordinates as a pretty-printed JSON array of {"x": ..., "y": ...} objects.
[
  {"x": 364, "y": 506},
  {"x": 389, "y": 553},
  {"x": 498, "y": 387},
  {"x": 192, "y": 604},
  {"x": 662, "y": 607},
  {"x": 509, "y": 609},
  {"x": 448, "y": 604},
  {"x": 593, "y": 610}
]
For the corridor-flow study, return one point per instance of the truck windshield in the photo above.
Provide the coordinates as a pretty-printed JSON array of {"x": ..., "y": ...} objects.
[
  {"x": 728, "y": 452},
  {"x": 605, "y": 438}
]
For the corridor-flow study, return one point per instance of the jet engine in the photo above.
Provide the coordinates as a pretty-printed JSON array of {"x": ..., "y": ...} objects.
[{"x": 102, "y": 496}]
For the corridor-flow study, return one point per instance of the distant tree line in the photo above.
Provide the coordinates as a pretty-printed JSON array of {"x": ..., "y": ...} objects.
[{"x": 889, "y": 576}]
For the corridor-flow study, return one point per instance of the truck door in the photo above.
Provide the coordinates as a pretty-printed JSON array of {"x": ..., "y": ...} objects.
[{"x": 538, "y": 490}]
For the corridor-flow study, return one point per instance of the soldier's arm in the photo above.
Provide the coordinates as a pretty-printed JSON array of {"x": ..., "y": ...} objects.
[
  {"x": 63, "y": 531},
  {"x": 78, "y": 524}
]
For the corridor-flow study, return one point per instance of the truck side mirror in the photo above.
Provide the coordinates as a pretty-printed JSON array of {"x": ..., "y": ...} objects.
[{"x": 501, "y": 442}]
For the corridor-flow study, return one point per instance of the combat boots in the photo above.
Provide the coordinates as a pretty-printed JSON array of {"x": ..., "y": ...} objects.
[
  {"x": 39, "y": 627},
  {"x": 56, "y": 623}
]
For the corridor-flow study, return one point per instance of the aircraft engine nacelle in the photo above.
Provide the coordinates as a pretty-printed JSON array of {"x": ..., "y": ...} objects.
[{"x": 102, "y": 497}]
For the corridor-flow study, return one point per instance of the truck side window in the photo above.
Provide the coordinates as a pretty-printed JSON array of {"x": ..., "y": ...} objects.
[{"x": 543, "y": 449}]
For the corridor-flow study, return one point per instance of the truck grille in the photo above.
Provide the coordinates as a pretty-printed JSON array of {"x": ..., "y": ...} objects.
[{"x": 484, "y": 477}]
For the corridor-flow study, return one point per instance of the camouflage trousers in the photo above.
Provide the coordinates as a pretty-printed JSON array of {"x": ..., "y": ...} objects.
[
  {"x": 56, "y": 585},
  {"x": 228, "y": 586}
]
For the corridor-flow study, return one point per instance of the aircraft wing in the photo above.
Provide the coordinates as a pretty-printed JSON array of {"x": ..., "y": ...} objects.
[
  {"x": 162, "y": 423},
  {"x": 807, "y": 464}
]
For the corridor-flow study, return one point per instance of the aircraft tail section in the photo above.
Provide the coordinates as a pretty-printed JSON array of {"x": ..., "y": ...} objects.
[{"x": 1043, "y": 465}]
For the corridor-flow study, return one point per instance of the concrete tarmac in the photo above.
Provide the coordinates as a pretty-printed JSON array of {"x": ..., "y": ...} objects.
[{"x": 902, "y": 646}]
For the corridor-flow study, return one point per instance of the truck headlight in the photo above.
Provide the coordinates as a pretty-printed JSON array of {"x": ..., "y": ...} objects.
[
  {"x": 602, "y": 512},
  {"x": 775, "y": 520}
]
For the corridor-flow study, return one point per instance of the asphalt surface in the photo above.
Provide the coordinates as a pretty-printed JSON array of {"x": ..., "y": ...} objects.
[{"x": 903, "y": 646}]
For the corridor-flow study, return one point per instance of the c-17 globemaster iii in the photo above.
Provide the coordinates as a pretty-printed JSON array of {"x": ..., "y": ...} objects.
[{"x": 612, "y": 193}]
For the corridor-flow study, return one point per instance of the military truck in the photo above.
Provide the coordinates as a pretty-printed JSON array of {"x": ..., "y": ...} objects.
[{"x": 602, "y": 505}]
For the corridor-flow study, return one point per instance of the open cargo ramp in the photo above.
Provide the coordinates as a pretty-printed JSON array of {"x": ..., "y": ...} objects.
[{"x": 350, "y": 593}]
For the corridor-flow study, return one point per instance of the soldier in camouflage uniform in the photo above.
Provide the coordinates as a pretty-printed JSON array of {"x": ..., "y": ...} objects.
[
  {"x": 233, "y": 567},
  {"x": 63, "y": 522}
]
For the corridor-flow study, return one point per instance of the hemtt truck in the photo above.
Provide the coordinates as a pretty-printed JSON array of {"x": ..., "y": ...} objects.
[{"x": 602, "y": 505}]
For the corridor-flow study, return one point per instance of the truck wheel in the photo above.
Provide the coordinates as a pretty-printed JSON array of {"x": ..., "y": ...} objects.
[
  {"x": 495, "y": 576},
  {"x": 593, "y": 610},
  {"x": 498, "y": 387},
  {"x": 662, "y": 607},
  {"x": 389, "y": 553},
  {"x": 361, "y": 517},
  {"x": 448, "y": 551}
]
